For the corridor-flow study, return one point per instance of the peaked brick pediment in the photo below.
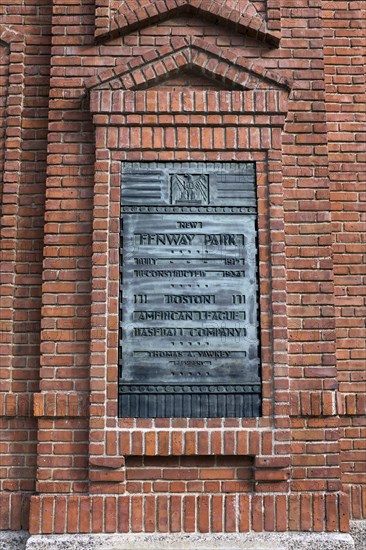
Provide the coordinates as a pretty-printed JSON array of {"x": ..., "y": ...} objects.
[
  {"x": 182, "y": 54},
  {"x": 192, "y": 78},
  {"x": 239, "y": 15}
]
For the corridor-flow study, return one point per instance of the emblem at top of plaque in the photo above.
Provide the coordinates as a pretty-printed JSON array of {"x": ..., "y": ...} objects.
[{"x": 189, "y": 189}]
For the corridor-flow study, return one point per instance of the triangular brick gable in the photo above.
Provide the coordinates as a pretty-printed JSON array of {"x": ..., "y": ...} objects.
[
  {"x": 237, "y": 14},
  {"x": 191, "y": 77},
  {"x": 157, "y": 65}
]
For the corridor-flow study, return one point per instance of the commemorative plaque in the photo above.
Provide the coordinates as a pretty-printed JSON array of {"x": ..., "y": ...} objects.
[{"x": 189, "y": 291}]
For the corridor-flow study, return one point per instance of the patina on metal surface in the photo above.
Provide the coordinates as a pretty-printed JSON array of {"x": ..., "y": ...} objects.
[{"x": 189, "y": 287}]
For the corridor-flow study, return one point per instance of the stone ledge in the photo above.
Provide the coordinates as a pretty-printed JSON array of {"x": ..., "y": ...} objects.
[
  {"x": 358, "y": 533},
  {"x": 247, "y": 541},
  {"x": 13, "y": 540}
]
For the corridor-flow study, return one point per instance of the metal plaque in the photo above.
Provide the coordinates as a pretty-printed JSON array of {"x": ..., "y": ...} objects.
[{"x": 189, "y": 304}]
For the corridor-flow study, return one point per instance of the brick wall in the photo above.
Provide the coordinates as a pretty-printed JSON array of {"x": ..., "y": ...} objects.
[
  {"x": 277, "y": 83},
  {"x": 25, "y": 41},
  {"x": 346, "y": 118}
]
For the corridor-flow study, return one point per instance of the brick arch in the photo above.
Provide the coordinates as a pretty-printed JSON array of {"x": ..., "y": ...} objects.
[
  {"x": 159, "y": 64},
  {"x": 239, "y": 15}
]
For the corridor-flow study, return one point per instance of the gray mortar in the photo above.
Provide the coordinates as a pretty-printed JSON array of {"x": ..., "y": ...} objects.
[
  {"x": 358, "y": 532},
  {"x": 245, "y": 541},
  {"x": 13, "y": 540}
]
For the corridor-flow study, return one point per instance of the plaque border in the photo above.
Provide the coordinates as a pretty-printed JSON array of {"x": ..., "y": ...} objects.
[{"x": 255, "y": 136}]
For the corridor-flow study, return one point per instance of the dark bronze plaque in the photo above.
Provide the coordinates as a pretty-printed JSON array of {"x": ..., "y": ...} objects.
[{"x": 189, "y": 309}]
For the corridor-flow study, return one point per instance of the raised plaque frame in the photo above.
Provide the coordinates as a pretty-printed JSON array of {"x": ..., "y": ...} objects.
[{"x": 156, "y": 199}]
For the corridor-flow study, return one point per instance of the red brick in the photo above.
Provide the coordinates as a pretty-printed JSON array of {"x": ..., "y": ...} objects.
[
  {"x": 58, "y": 203},
  {"x": 189, "y": 513}
]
